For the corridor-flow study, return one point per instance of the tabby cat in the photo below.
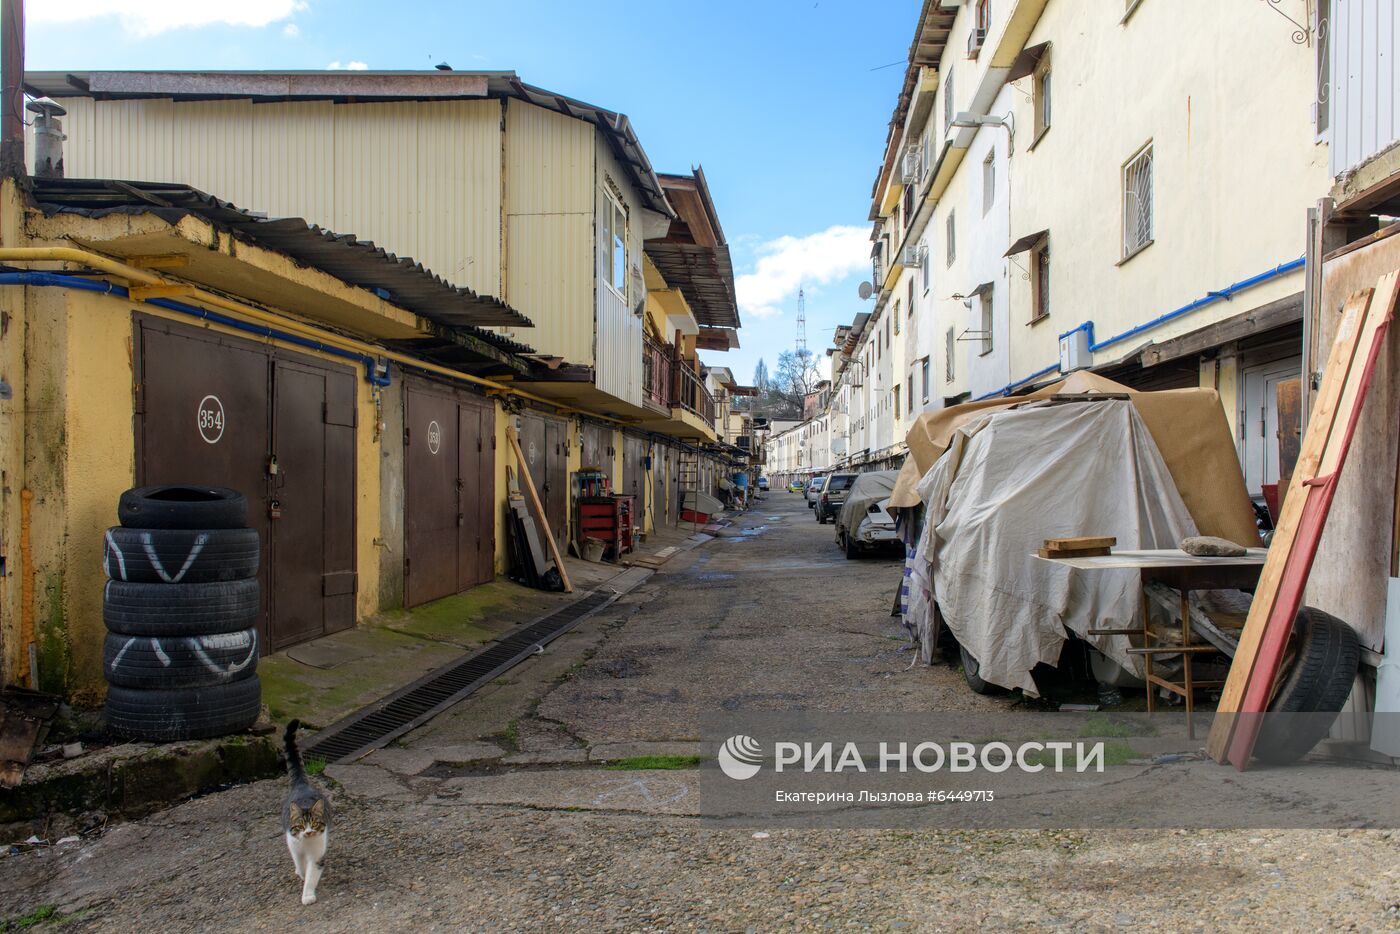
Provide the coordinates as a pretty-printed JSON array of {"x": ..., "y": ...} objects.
[{"x": 306, "y": 819}]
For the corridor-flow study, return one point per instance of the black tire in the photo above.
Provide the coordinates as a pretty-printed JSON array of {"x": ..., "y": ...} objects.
[
  {"x": 181, "y": 506},
  {"x": 972, "y": 675},
  {"x": 162, "y": 610},
  {"x": 180, "y": 661},
  {"x": 184, "y": 713},
  {"x": 851, "y": 549},
  {"x": 180, "y": 556},
  {"x": 1314, "y": 690}
]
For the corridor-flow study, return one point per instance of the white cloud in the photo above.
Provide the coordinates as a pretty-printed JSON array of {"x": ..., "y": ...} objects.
[
  {"x": 348, "y": 66},
  {"x": 786, "y": 263},
  {"x": 151, "y": 17},
  {"x": 291, "y": 30}
]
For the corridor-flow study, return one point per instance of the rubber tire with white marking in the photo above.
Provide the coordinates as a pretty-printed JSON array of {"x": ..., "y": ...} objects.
[
  {"x": 161, "y": 610},
  {"x": 180, "y": 556},
  {"x": 184, "y": 713},
  {"x": 182, "y": 506},
  {"x": 180, "y": 661},
  {"x": 1313, "y": 691}
]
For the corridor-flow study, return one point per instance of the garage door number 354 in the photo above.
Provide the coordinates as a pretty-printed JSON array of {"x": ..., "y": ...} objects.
[{"x": 210, "y": 419}]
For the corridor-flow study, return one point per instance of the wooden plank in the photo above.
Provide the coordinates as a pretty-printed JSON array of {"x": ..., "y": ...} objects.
[
  {"x": 1320, "y": 492},
  {"x": 1324, "y": 412},
  {"x": 1290, "y": 432},
  {"x": 1075, "y": 552},
  {"x": 1082, "y": 541}
]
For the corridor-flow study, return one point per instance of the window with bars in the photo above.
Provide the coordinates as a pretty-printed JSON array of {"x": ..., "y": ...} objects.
[
  {"x": 1042, "y": 96},
  {"x": 949, "y": 348},
  {"x": 986, "y": 304},
  {"x": 1137, "y": 202},
  {"x": 952, "y": 237},
  {"x": 1040, "y": 282},
  {"x": 947, "y": 101}
]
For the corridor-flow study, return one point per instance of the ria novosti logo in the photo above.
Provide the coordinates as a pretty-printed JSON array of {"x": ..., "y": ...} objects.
[{"x": 740, "y": 757}]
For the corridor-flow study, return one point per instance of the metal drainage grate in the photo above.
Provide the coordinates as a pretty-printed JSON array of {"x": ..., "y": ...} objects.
[{"x": 411, "y": 706}]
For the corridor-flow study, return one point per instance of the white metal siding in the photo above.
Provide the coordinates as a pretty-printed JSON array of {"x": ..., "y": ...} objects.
[
  {"x": 619, "y": 339},
  {"x": 1365, "y": 80},
  {"x": 550, "y": 272},
  {"x": 419, "y": 179}
]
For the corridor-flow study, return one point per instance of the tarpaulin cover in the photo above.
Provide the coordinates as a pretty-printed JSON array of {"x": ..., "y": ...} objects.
[
  {"x": 869, "y": 488},
  {"x": 1012, "y": 478},
  {"x": 1189, "y": 426}
]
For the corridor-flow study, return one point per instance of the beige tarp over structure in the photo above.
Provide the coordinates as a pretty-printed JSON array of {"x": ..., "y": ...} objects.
[{"x": 1188, "y": 425}]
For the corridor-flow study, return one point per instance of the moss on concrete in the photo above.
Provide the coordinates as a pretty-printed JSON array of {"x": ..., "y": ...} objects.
[{"x": 51, "y": 638}]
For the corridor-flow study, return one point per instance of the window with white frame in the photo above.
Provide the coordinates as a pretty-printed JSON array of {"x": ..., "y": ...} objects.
[
  {"x": 949, "y": 348},
  {"x": 909, "y": 297},
  {"x": 925, "y": 267},
  {"x": 989, "y": 180},
  {"x": 1137, "y": 202},
  {"x": 926, "y": 376},
  {"x": 894, "y": 316},
  {"x": 614, "y": 243},
  {"x": 952, "y": 237}
]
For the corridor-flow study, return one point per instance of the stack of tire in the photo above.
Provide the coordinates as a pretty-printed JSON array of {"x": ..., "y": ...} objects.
[{"x": 181, "y": 607}]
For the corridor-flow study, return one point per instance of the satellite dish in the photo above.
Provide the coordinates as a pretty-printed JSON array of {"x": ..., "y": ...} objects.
[{"x": 866, "y": 290}]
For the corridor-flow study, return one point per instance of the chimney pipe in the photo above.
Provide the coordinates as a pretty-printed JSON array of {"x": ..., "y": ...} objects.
[
  {"x": 48, "y": 138},
  {"x": 12, "y": 89}
]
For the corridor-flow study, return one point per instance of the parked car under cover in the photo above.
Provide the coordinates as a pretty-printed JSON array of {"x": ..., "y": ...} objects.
[
  {"x": 833, "y": 494},
  {"x": 864, "y": 522}
]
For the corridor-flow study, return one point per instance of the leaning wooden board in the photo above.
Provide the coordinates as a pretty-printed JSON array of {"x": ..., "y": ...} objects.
[{"x": 1276, "y": 601}]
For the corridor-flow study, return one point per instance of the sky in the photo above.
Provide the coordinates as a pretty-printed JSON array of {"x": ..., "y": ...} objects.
[{"x": 784, "y": 103}]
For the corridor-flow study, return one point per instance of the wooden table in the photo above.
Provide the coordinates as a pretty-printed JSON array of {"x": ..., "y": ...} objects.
[{"x": 1173, "y": 568}]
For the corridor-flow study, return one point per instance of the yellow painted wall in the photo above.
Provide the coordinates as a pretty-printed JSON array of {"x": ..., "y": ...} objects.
[
  {"x": 82, "y": 456},
  {"x": 420, "y": 179},
  {"x": 548, "y": 251},
  {"x": 1223, "y": 96}
]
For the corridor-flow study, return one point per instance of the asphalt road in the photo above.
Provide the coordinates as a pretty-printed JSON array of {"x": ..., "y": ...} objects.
[{"x": 500, "y": 814}]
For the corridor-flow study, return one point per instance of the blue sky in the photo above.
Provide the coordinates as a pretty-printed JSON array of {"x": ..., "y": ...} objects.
[{"x": 784, "y": 103}]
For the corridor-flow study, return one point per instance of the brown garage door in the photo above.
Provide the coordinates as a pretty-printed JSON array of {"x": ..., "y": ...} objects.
[
  {"x": 449, "y": 492},
  {"x": 542, "y": 440},
  {"x": 659, "y": 516},
  {"x": 279, "y": 428},
  {"x": 634, "y": 477}
]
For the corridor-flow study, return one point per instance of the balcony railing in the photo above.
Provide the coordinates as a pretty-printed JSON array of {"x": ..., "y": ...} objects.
[
  {"x": 656, "y": 374},
  {"x": 690, "y": 393}
]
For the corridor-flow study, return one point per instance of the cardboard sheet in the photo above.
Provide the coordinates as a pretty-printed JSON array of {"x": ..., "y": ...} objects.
[{"x": 1188, "y": 425}]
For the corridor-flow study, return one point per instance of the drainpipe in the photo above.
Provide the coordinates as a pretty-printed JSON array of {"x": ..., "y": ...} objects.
[{"x": 12, "y": 90}]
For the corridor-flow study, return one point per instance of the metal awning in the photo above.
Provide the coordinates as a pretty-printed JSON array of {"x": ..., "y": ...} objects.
[
  {"x": 1027, "y": 242},
  {"x": 1027, "y": 62},
  {"x": 356, "y": 262}
]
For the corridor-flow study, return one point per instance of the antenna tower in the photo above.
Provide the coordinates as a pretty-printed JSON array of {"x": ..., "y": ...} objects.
[{"x": 801, "y": 321}]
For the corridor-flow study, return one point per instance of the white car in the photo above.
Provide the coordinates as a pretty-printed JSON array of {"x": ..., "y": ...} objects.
[
  {"x": 864, "y": 521},
  {"x": 814, "y": 490}
]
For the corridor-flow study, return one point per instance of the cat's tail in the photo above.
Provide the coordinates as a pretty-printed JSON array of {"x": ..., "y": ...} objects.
[{"x": 289, "y": 746}]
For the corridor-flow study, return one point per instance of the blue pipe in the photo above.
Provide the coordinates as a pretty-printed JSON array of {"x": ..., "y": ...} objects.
[
  {"x": 1224, "y": 294},
  {"x": 376, "y": 374}
]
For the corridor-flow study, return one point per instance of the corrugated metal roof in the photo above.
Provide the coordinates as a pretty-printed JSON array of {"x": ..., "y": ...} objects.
[
  {"x": 349, "y": 87},
  {"x": 361, "y": 263},
  {"x": 693, "y": 256}
]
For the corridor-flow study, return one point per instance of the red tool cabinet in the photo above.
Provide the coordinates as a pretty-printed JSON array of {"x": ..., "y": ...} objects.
[{"x": 609, "y": 518}]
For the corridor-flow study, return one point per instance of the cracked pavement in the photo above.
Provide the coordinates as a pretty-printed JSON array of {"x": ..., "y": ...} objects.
[{"x": 501, "y": 815}]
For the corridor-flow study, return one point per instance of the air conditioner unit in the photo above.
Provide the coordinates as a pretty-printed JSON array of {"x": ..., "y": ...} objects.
[
  {"x": 912, "y": 157},
  {"x": 975, "y": 40},
  {"x": 912, "y": 256}
]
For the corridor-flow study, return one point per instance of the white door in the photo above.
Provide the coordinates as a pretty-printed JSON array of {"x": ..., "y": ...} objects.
[{"x": 1258, "y": 420}]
